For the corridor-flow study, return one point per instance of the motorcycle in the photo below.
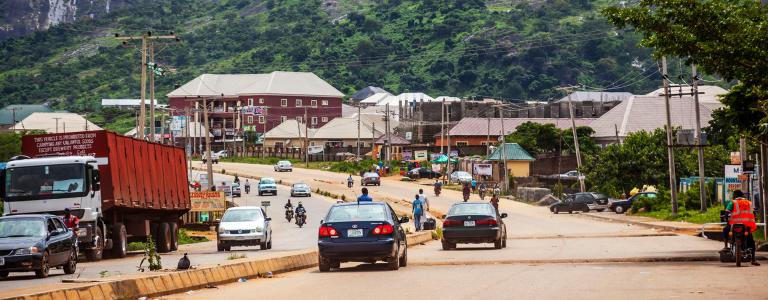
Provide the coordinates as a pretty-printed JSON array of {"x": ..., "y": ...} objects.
[
  {"x": 289, "y": 213},
  {"x": 247, "y": 189},
  {"x": 437, "y": 190},
  {"x": 301, "y": 219},
  {"x": 350, "y": 183},
  {"x": 466, "y": 195},
  {"x": 481, "y": 192},
  {"x": 738, "y": 250}
]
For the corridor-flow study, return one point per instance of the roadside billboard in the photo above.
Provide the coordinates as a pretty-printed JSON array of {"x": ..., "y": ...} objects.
[
  {"x": 208, "y": 201},
  {"x": 732, "y": 181},
  {"x": 420, "y": 155},
  {"x": 483, "y": 169}
]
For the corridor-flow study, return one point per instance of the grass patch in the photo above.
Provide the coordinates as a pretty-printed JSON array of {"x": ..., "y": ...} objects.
[
  {"x": 234, "y": 256},
  {"x": 137, "y": 246},
  {"x": 693, "y": 216},
  {"x": 186, "y": 239}
]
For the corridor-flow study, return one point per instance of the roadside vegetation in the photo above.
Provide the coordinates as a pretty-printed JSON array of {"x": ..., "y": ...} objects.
[{"x": 184, "y": 238}]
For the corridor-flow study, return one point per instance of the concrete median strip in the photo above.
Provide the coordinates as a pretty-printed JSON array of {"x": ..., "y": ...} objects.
[
  {"x": 659, "y": 259},
  {"x": 166, "y": 283}
]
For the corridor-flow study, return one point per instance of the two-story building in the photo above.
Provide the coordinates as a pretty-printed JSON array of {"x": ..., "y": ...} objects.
[{"x": 257, "y": 102}]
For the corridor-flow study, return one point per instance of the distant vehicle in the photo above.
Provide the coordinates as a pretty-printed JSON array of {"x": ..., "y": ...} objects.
[
  {"x": 283, "y": 165},
  {"x": 244, "y": 226},
  {"x": 370, "y": 178},
  {"x": 236, "y": 190},
  {"x": 301, "y": 189},
  {"x": 36, "y": 242},
  {"x": 267, "y": 185},
  {"x": 571, "y": 175},
  {"x": 621, "y": 206},
  {"x": 461, "y": 177},
  {"x": 423, "y": 173},
  {"x": 222, "y": 153},
  {"x": 474, "y": 222},
  {"x": 215, "y": 159},
  {"x": 583, "y": 202},
  {"x": 362, "y": 232}
]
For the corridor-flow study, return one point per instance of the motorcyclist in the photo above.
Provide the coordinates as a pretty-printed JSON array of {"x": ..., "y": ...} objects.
[
  {"x": 301, "y": 212},
  {"x": 350, "y": 181},
  {"x": 438, "y": 187},
  {"x": 742, "y": 213},
  {"x": 247, "y": 186},
  {"x": 237, "y": 179},
  {"x": 481, "y": 191}
]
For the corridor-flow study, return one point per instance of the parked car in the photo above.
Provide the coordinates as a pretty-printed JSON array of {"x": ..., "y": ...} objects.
[
  {"x": 36, "y": 243},
  {"x": 621, "y": 206},
  {"x": 235, "y": 190},
  {"x": 474, "y": 222},
  {"x": 244, "y": 226},
  {"x": 302, "y": 189},
  {"x": 215, "y": 159},
  {"x": 222, "y": 153},
  {"x": 283, "y": 166},
  {"x": 423, "y": 173},
  {"x": 362, "y": 232},
  {"x": 583, "y": 202},
  {"x": 461, "y": 177},
  {"x": 370, "y": 178},
  {"x": 575, "y": 175},
  {"x": 267, "y": 185}
]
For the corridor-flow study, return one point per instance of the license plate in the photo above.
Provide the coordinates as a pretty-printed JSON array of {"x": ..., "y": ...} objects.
[
  {"x": 2, "y": 261},
  {"x": 354, "y": 233},
  {"x": 469, "y": 223}
]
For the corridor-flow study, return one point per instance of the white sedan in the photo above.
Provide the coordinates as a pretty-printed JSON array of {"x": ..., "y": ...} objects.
[
  {"x": 283, "y": 166},
  {"x": 461, "y": 177}
]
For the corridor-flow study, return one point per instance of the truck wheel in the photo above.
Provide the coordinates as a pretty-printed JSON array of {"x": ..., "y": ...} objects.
[
  {"x": 119, "y": 241},
  {"x": 174, "y": 235},
  {"x": 97, "y": 252},
  {"x": 163, "y": 238}
]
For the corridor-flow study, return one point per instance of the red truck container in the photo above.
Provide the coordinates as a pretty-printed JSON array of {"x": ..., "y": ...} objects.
[{"x": 143, "y": 187}]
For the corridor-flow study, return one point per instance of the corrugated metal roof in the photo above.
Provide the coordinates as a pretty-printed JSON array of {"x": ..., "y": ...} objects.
[
  {"x": 514, "y": 152},
  {"x": 596, "y": 96},
  {"x": 288, "y": 130},
  {"x": 128, "y": 102},
  {"x": 346, "y": 128},
  {"x": 479, "y": 126},
  {"x": 67, "y": 122},
  {"x": 367, "y": 92},
  {"x": 275, "y": 83}
]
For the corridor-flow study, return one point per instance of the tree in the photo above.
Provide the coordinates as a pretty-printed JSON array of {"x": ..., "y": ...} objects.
[{"x": 723, "y": 37}]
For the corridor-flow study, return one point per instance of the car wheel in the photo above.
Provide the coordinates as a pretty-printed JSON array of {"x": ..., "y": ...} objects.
[
  {"x": 96, "y": 253},
  {"x": 323, "y": 264},
  {"x": 336, "y": 264},
  {"x": 393, "y": 263},
  {"x": 263, "y": 246},
  {"x": 497, "y": 244},
  {"x": 601, "y": 210},
  {"x": 4, "y": 274},
  {"x": 448, "y": 245},
  {"x": 44, "y": 267},
  {"x": 504, "y": 241},
  {"x": 259, "y": 193},
  {"x": 404, "y": 258},
  {"x": 71, "y": 266},
  {"x": 555, "y": 210},
  {"x": 585, "y": 209},
  {"x": 570, "y": 211},
  {"x": 119, "y": 241},
  {"x": 619, "y": 209},
  {"x": 269, "y": 244}
]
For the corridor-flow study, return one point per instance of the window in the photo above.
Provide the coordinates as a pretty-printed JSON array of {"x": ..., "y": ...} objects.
[
  {"x": 325, "y": 119},
  {"x": 325, "y": 102},
  {"x": 279, "y": 145},
  {"x": 250, "y": 101},
  {"x": 462, "y": 143},
  {"x": 313, "y": 103},
  {"x": 314, "y": 120},
  {"x": 300, "y": 119},
  {"x": 261, "y": 120},
  {"x": 261, "y": 100},
  {"x": 298, "y": 102},
  {"x": 250, "y": 119},
  {"x": 361, "y": 144},
  {"x": 283, "y": 119},
  {"x": 283, "y": 102}
]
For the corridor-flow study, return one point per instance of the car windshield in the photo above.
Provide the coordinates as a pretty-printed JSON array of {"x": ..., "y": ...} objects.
[
  {"x": 300, "y": 186},
  {"x": 351, "y": 213},
  {"x": 462, "y": 174},
  {"x": 51, "y": 180},
  {"x": 370, "y": 175},
  {"x": 599, "y": 196},
  {"x": 242, "y": 215},
  {"x": 283, "y": 162},
  {"x": 17, "y": 227},
  {"x": 267, "y": 181},
  {"x": 471, "y": 209}
]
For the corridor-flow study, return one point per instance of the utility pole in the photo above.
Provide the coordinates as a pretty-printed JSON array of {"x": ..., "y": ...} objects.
[
  {"x": 188, "y": 146},
  {"x": 57, "y": 124},
  {"x": 575, "y": 141},
  {"x": 488, "y": 138},
  {"x": 152, "y": 97},
  {"x": 209, "y": 160},
  {"x": 670, "y": 141},
  {"x": 442, "y": 126},
  {"x": 13, "y": 110},
  {"x": 448, "y": 136},
  {"x": 388, "y": 144},
  {"x": 145, "y": 39},
  {"x": 162, "y": 127},
  {"x": 503, "y": 149},
  {"x": 373, "y": 140},
  {"x": 699, "y": 142},
  {"x": 358, "y": 130},
  {"x": 306, "y": 138},
  {"x": 743, "y": 156}
]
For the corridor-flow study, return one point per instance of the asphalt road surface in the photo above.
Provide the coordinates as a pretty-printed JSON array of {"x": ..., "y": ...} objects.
[{"x": 287, "y": 238}]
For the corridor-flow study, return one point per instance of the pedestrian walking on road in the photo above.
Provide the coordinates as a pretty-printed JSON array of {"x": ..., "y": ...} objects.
[
  {"x": 474, "y": 185},
  {"x": 418, "y": 212},
  {"x": 466, "y": 192},
  {"x": 364, "y": 197},
  {"x": 424, "y": 200}
]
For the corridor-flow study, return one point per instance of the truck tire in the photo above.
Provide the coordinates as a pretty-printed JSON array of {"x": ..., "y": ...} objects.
[
  {"x": 97, "y": 252},
  {"x": 119, "y": 241},
  {"x": 163, "y": 240},
  {"x": 174, "y": 236}
]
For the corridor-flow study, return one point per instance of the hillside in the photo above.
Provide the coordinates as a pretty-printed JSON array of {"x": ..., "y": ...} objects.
[{"x": 507, "y": 49}]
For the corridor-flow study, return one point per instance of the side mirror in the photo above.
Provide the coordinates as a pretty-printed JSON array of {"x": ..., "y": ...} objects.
[
  {"x": 404, "y": 220},
  {"x": 321, "y": 222},
  {"x": 96, "y": 178},
  {"x": 504, "y": 215},
  {"x": 268, "y": 219}
]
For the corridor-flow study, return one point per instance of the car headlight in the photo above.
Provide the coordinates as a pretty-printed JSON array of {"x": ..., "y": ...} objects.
[
  {"x": 221, "y": 230},
  {"x": 26, "y": 251},
  {"x": 259, "y": 228}
]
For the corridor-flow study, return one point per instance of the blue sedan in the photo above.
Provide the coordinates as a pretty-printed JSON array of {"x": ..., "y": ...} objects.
[{"x": 362, "y": 232}]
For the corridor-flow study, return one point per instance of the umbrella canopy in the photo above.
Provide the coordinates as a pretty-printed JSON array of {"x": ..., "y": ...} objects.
[{"x": 443, "y": 159}]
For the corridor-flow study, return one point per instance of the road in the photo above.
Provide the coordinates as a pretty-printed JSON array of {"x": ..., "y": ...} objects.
[
  {"x": 287, "y": 238},
  {"x": 548, "y": 256}
]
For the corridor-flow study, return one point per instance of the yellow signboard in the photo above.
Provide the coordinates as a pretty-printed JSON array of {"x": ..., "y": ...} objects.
[{"x": 208, "y": 201}]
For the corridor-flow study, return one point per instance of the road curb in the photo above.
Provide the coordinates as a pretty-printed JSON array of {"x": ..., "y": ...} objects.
[
  {"x": 168, "y": 283},
  {"x": 659, "y": 259},
  {"x": 675, "y": 229}
]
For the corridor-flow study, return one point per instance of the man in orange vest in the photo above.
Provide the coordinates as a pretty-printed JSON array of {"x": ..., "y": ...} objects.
[{"x": 742, "y": 213}]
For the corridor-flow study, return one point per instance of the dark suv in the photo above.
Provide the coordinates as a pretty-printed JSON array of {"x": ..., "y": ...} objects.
[{"x": 581, "y": 202}]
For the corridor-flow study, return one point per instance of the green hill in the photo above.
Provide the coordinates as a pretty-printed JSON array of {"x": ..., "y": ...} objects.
[{"x": 507, "y": 49}]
